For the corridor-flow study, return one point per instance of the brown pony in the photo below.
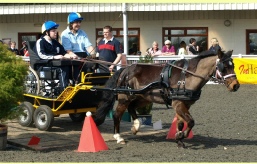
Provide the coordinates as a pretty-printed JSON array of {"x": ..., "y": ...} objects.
[{"x": 177, "y": 84}]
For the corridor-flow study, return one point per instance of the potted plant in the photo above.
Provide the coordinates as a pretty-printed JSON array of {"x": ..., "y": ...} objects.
[
  {"x": 12, "y": 72},
  {"x": 145, "y": 59}
]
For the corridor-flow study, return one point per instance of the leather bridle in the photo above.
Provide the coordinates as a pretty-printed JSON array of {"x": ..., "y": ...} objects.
[{"x": 220, "y": 69}]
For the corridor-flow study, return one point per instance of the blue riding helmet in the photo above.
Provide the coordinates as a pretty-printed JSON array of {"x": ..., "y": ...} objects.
[
  {"x": 72, "y": 17},
  {"x": 48, "y": 25}
]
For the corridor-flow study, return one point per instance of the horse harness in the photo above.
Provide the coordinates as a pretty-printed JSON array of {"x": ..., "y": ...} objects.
[
  {"x": 180, "y": 93},
  {"x": 167, "y": 93},
  {"x": 218, "y": 74}
]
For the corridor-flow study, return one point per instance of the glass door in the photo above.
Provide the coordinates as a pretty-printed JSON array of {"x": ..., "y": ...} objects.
[{"x": 30, "y": 37}]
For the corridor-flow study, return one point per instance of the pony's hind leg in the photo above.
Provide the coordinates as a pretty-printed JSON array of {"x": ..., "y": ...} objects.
[
  {"x": 136, "y": 123},
  {"x": 138, "y": 102},
  {"x": 121, "y": 107}
]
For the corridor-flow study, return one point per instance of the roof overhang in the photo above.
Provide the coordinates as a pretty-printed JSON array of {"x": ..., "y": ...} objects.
[{"x": 7, "y": 9}]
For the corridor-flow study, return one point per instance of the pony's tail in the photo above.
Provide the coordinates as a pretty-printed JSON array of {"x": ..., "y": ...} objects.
[{"x": 108, "y": 99}]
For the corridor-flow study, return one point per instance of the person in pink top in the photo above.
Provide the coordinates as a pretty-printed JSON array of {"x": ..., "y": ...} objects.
[
  {"x": 154, "y": 51},
  {"x": 168, "y": 49}
]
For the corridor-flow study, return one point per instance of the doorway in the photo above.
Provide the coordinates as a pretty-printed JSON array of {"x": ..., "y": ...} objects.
[
  {"x": 30, "y": 37},
  {"x": 251, "y": 42}
]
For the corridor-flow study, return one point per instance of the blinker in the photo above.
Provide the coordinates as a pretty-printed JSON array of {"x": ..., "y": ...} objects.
[{"x": 220, "y": 66}]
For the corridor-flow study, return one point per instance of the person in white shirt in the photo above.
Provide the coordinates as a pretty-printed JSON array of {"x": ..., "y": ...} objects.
[{"x": 182, "y": 49}]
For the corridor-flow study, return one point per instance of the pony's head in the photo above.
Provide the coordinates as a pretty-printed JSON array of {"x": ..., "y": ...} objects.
[{"x": 225, "y": 70}]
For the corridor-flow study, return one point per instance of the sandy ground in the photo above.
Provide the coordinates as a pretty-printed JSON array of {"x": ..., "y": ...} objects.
[{"x": 225, "y": 131}]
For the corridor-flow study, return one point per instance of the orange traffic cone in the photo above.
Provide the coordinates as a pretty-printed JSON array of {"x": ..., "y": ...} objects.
[
  {"x": 173, "y": 131},
  {"x": 91, "y": 139}
]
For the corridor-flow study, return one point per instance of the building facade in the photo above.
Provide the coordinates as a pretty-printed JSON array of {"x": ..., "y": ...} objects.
[{"x": 233, "y": 24}]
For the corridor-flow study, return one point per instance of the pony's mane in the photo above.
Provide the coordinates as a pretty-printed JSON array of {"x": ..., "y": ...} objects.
[
  {"x": 205, "y": 54},
  {"x": 194, "y": 61}
]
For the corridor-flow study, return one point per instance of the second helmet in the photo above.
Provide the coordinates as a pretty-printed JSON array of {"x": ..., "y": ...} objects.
[{"x": 72, "y": 17}]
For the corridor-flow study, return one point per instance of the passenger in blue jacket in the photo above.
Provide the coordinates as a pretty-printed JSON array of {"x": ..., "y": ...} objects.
[{"x": 47, "y": 47}]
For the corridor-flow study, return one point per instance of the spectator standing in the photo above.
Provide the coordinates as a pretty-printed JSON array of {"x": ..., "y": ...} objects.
[
  {"x": 192, "y": 47},
  {"x": 203, "y": 46},
  {"x": 168, "y": 49},
  {"x": 13, "y": 48},
  {"x": 96, "y": 66},
  {"x": 182, "y": 49},
  {"x": 109, "y": 50},
  {"x": 24, "y": 50},
  {"x": 154, "y": 51},
  {"x": 133, "y": 50},
  {"x": 214, "y": 45},
  {"x": 97, "y": 42}
]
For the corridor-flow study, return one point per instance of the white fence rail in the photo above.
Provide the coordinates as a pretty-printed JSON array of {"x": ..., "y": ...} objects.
[{"x": 131, "y": 59}]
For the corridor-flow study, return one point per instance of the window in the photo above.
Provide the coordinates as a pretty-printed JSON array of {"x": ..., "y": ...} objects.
[
  {"x": 133, "y": 36},
  {"x": 178, "y": 34},
  {"x": 29, "y": 37},
  {"x": 251, "y": 42}
]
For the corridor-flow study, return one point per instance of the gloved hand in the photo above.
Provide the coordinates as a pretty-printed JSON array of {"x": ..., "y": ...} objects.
[
  {"x": 89, "y": 57},
  {"x": 93, "y": 56}
]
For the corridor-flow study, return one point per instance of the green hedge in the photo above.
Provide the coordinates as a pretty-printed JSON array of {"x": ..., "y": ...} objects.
[{"x": 12, "y": 73}]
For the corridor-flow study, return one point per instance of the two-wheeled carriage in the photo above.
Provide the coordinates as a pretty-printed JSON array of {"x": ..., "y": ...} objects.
[{"x": 43, "y": 101}]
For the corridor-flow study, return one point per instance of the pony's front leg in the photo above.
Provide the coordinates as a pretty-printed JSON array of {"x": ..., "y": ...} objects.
[
  {"x": 179, "y": 136},
  {"x": 190, "y": 124},
  {"x": 182, "y": 112}
]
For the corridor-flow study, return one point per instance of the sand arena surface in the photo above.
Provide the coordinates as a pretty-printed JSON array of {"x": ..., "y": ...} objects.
[{"x": 225, "y": 131}]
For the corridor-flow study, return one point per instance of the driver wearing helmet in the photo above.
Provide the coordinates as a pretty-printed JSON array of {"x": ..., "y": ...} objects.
[
  {"x": 47, "y": 47},
  {"x": 75, "y": 40}
]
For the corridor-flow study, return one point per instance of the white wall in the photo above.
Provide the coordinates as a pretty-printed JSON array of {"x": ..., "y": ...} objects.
[
  {"x": 10, "y": 30},
  {"x": 232, "y": 37}
]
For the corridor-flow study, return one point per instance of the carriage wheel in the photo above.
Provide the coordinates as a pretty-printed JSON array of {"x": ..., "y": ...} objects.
[
  {"x": 26, "y": 119},
  {"x": 32, "y": 83},
  {"x": 43, "y": 118},
  {"x": 77, "y": 117}
]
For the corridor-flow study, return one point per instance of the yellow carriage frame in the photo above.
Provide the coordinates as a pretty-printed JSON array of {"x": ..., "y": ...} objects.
[{"x": 74, "y": 100}]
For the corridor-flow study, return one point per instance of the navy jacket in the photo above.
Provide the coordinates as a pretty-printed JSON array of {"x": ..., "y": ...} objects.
[{"x": 47, "y": 50}]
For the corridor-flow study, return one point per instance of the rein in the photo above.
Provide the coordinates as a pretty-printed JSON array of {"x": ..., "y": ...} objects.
[
  {"x": 185, "y": 70},
  {"x": 125, "y": 65}
]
